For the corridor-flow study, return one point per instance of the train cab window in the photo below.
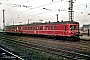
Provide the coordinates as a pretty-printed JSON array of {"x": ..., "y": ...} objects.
[
  {"x": 73, "y": 27},
  {"x": 64, "y": 27},
  {"x": 41, "y": 27},
  {"x": 54, "y": 27},
  {"x": 36, "y": 27},
  {"x": 30, "y": 28},
  {"x": 51, "y": 27}
]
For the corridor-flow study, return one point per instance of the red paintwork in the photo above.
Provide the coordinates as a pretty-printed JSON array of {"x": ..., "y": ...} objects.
[{"x": 60, "y": 30}]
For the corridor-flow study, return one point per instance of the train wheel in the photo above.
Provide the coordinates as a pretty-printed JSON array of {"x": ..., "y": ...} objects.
[
  {"x": 70, "y": 38},
  {"x": 67, "y": 38},
  {"x": 77, "y": 38}
]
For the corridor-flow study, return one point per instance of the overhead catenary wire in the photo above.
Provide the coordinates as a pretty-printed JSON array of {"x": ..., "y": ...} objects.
[
  {"x": 16, "y": 4},
  {"x": 35, "y": 7},
  {"x": 32, "y": 15},
  {"x": 38, "y": 13},
  {"x": 42, "y": 6},
  {"x": 33, "y": 12}
]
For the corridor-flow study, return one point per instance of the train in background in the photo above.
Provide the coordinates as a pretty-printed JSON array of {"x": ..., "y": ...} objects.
[{"x": 66, "y": 30}]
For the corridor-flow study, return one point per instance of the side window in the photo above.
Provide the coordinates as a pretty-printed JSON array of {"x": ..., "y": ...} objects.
[
  {"x": 30, "y": 28},
  {"x": 27, "y": 28},
  {"x": 54, "y": 27},
  {"x": 64, "y": 27},
  {"x": 46, "y": 27},
  {"x": 21, "y": 27},
  {"x": 36, "y": 27},
  {"x": 75, "y": 28},
  {"x": 41, "y": 27},
  {"x": 51, "y": 27},
  {"x": 70, "y": 27},
  {"x": 17, "y": 28}
]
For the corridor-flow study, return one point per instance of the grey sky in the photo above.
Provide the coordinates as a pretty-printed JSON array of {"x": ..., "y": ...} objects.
[{"x": 34, "y": 11}]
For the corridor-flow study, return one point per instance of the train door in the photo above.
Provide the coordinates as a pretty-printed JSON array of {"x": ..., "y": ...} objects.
[
  {"x": 65, "y": 30},
  {"x": 19, "y": 29},
  {"x": 46, "y": 29},
  {"x": 37, "y": 30}
]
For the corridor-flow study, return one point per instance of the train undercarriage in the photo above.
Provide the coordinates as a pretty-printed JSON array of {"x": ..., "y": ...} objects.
[{"x": 64, "y": 38}]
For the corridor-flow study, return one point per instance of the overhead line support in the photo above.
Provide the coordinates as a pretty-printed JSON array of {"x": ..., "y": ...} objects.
[
  {"x": 70, "y": 10},
  {"x": 3, "y": 21}
]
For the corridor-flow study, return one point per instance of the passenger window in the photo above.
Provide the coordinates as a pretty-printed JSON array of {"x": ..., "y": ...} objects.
[
  {"x": 46, "y": 27},
  {"x": 36, "y": 27},
  {"x": 41, "y": 27},
  {"x": 30, "y": 28},
  {"x": 17, "y": 28},
  {"x": 27, "y": 28},
  {"x": 54, "y": 27},
  {"x": 51, "y": 27}
]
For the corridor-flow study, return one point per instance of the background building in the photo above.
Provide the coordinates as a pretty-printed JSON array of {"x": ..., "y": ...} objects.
[{"x": 85, "y": 28}]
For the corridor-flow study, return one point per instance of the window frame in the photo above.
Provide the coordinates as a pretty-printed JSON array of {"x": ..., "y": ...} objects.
[
  {"x": 37, "y": 27},
  {"x": 46, "y": 27},
  {"x": 31, "y": 28},
  {"x": 65, "y": 27},
  {"x": 41, "y": 27},
  {"x": 73, "y": 27},
  {"x": 51, "y": 27},
  {"x": 54, "y": 27}
]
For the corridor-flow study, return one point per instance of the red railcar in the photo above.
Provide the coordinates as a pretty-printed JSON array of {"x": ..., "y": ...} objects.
[{"x": 66, "y": 29}]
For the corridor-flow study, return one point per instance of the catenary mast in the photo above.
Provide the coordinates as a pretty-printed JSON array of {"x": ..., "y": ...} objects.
[
  {"x": 70, "y": 10},
  {"x": 3, "y": 21}
]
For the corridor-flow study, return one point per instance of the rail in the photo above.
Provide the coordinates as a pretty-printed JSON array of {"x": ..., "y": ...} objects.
[
  {"x": 11, "y": 55},
  {"x": 58, "y": 52}
]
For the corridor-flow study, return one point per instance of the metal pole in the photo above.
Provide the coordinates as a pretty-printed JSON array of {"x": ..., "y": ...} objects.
[
  {"x": 13, "y": 23},
  {"x": 57, "y": 17},
  {"x": 28, "y": 21},
  {"x": 88, "y": 32},
  {"x": 3, "y": 21},
  {"x": 70, "y": 10}
]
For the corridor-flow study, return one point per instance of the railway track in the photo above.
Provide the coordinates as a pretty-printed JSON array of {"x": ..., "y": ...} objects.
[
  {"x": 57, "y": 52},
  {"x": 7, "y": 55},
  {"x": 38, "y": 37}
]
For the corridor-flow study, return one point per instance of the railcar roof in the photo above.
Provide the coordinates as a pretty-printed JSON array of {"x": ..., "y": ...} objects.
[{"x": 64, "y": 22}]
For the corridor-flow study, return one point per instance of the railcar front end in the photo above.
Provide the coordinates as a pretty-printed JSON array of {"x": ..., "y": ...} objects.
[{"x": 74, "y": 32}]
